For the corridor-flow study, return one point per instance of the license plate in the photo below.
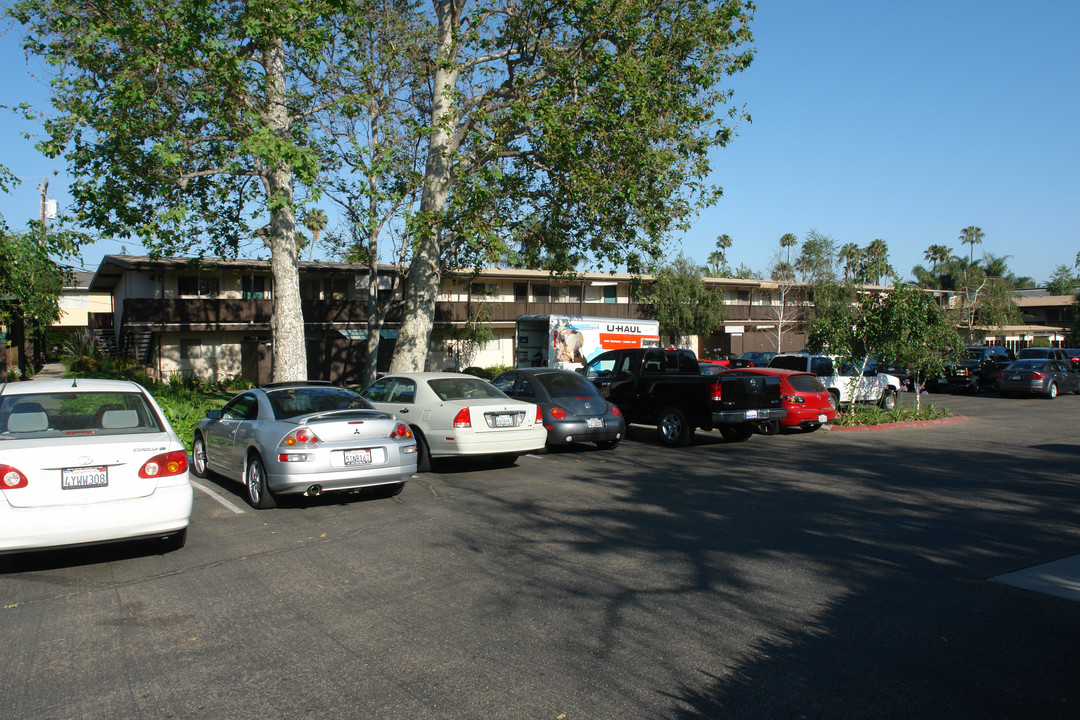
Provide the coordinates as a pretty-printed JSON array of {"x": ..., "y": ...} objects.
[
  {"x": 358, "y": 457},
  {"x": 504, "y": 421},
  {"x": 751, "y": 414},
  {"x": 594, "y": 422},
  {"x": 1014, "y": 377},
  {"x": 78, "y": 478}
]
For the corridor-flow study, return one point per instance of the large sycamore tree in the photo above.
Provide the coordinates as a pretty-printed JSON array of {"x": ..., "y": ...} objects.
[
  {"x": 563, "y": 134},
  {"x": 184, "y": 123}
]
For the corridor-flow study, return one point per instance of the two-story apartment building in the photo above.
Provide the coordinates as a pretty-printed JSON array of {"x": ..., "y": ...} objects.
[{"x": 212, "y": 319}]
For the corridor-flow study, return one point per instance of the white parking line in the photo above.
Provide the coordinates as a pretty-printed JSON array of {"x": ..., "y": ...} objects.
[{"x": 220, "y": 498}]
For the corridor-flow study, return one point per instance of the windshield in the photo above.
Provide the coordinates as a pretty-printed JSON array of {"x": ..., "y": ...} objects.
[
  {"x": 465, "y": 389},
  {"x": 54, "y": 415},
  {"x": 294, "y": 402}
]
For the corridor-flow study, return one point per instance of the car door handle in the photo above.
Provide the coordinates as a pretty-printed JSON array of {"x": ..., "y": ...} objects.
[{"x": 404, "y": 410}]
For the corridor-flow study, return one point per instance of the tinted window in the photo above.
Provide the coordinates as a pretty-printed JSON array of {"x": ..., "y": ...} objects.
[
  {"x": 566, "y": 385},
  {"x": 245, "y": 407},
  {"x": 806, "y": 383},
  {"x": 789, "y": 362},
  {"x": 653, "y": 362},
  {"x": 601, "y": 366},
  {"x": 1028, "y": 364},
  {"x": 505, "y": 382},
  {"x": 293, "y": 402},
  {"x": 822, "y": 367},
  {"x": 464, "y": 389}
]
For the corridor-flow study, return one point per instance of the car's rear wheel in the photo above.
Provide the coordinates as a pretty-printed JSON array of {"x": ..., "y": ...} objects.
[
  {"x": 1052, "y": 391},
  {"x": 258, "y": 490},
  {"x": 423, "y": 452},
  {"x": 888, "y": 399},
  {"x": 737, "y": 433},
  {"x": 673, "y": 427},
  {"x": 607, "y": 444},
  {"x": 834, "y": 399},
  {"x": 198, "y": 456}
]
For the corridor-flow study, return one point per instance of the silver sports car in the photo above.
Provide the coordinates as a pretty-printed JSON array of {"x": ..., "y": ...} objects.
[{"x": 292, "y": 438}]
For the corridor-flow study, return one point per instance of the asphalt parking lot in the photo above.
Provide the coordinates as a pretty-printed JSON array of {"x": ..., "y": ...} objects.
[{"x": 822, "y": 575}]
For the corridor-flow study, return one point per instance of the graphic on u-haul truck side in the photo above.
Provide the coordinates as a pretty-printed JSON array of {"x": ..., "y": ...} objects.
[{"x": 570, "y": 341}]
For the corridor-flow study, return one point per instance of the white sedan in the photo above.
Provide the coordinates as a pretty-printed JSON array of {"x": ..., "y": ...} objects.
[
  {"x": 454, "y": 414},
  {"x": 88, "y": 461}
]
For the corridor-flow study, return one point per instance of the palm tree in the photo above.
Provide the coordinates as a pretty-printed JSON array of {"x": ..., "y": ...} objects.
[
  {"x": 788, "y": 241},
  {"x": 876, "y": 261},
  {"x": 972, "y": 236},
  {"x": 851, "y": 255},
  {"x": 937, "y": 255},
  {"x": 723, "y": 242},
  {"x": 315, "y": 221}
]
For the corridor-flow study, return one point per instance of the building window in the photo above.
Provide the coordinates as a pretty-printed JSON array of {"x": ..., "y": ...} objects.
[
  {"x": 541, "y": 292},
  {"x": 195, "y": 286},
  {"x": 484, "y": 291},
  {"x": 191, "y": 350},
  {"x": 575, "y": 293},
  {"x": 521, "y": 292},
  {"x": 254, "y": 288}
]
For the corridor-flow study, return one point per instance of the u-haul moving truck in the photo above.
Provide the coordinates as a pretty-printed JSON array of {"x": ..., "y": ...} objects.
[{"x": 570, "y": 341}]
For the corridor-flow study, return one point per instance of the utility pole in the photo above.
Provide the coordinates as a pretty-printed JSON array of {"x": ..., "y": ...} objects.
[{"x": 43, "y": 188}]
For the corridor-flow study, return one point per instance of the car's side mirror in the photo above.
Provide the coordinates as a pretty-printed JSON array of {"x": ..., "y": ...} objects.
[{"x": 213, "y": 414}]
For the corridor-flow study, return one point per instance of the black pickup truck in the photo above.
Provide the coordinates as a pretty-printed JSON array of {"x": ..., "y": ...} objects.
[{"x": 665, "y": 388}]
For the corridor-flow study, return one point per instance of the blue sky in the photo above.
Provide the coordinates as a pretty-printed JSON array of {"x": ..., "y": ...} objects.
[{"x": 901, "y": 121}]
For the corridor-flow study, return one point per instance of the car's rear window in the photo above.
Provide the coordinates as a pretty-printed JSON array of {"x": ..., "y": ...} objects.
[
  {"x": 567, "y": 385},
  {"x": 789, "y": 362},
  {"x": 1033, "y": 353},
  {"x": 75, "y": 413},
  {"x": 293, "y": 402},
  {"x": 464, "y": 389},
  {"x": 1029, "y": 364},
  {"x": 806, "y": 383}
]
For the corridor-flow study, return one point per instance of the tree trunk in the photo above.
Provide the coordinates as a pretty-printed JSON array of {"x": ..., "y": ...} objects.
[
  {"x": 425, "y": 271},
  {"x": 287, "y": 323}
]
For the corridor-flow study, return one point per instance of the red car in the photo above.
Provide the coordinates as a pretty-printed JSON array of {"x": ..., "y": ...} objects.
[{"x": 804, "y": 397}]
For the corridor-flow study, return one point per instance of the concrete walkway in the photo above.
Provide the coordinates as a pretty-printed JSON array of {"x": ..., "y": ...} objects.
[{"x": 51, "y": 371}]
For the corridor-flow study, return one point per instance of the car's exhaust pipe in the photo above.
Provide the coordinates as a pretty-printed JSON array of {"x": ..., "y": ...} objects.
[{"x": 314, "y": 490}]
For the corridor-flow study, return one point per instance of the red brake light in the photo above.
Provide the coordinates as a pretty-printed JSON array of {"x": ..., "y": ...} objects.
[
  {"x": 402, "y": 430},
  {"x": 558, "y": 413},
  {"x": 615, "y": 411},
  {"x": 301, "y": 435},
  {"x": 716, "y": 394},
  {"x": 1036, "y": 376},
  {"x": 794, "y": 399},
  {"x": 11, "y": 479},
  {"x": 164, "y": 465},
  {"x": 462, "y": 419},
  {"x": 540, "y": 416}
]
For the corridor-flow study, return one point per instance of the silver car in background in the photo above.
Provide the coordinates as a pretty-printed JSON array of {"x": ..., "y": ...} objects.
[
  {"x": 303, "y": 438},
  {"x": 1039, "y": 377}
]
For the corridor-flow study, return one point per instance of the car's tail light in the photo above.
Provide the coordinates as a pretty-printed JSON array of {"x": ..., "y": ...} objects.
[
  {"x": 716, "y": 393},
  {"x": 999, "y": 375},
  {"x": 401, "y": 431},
  {"x": 540, "y": 416},
  {"x": 558, "y": 413},
  {"x": 794, "y": 399},
  {"x": 164, "y": 465},
  {"x": 301, "y": 436},
  {"x": 462, "y": 419},
  {"x": 1036, "y": 376},
  {"x": 11, "y": 479},
  {"x": 615, "y": 411}
]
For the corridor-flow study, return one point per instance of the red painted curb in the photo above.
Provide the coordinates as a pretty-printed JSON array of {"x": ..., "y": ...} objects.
[{"x": 891, "y": 426}]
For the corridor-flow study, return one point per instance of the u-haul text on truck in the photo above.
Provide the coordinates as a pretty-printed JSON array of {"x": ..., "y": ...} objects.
[{"x": 570, "y": 341}]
